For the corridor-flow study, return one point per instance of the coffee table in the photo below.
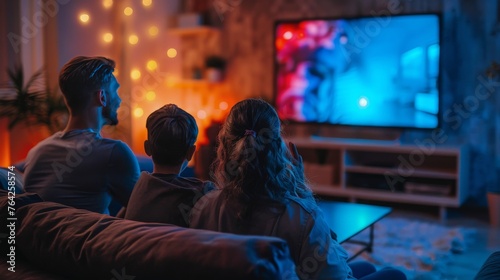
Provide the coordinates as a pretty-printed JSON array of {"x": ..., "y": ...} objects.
[{"x": 349, "y": 219}]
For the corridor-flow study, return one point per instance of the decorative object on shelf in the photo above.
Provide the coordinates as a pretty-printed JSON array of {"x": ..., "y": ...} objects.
[
  {"x": 32, "y": 103},
  {"x": 214, "y": 68},
  {"x": 197, "y": 73}
]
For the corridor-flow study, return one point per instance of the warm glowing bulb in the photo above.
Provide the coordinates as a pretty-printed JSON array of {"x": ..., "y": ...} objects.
[
  {"x": 288, "y": 35},
  {"x": 135, "y": 74},
  {"x": 363, "y": 102},
  {"x": 153, "y": 30},
  {"x": 152, "y": 65},
  {"x": 107, "y": 3},
  {"x": 202, "y": 114},
  {"x": 108, "y": 37},
  {"x": 147, "y": 3},
  {"x": 128, "y": 11},
  {"x": 150, "y": 95},
  {"x": 133, "y": 39},
  {"x": 84, "y": 18},
  {"x": 138, "y": 112},
  {"x": 172, "y": 53},
  {"x": 223, "y": 105}
]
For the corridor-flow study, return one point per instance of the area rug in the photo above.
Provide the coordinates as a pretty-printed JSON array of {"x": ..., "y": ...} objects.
[{"x": 421, "y": 250}]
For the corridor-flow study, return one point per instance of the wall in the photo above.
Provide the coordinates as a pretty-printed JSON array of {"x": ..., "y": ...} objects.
[
  {"x": 470, "y": 117},
  {"x": 159, "y": 79}
]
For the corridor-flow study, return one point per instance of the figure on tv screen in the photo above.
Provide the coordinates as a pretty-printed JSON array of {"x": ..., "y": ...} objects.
[
  {"x": 306, "y": 93},
  {"x": 359, "y": 71}
]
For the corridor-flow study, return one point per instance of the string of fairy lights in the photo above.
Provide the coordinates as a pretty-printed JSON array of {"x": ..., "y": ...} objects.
[
  {"x": 133, "y": 39},
  {"x": 204, "y": 112}
]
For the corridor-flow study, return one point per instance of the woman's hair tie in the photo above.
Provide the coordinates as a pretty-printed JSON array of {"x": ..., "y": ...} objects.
[{"x": 250, "y": 132}]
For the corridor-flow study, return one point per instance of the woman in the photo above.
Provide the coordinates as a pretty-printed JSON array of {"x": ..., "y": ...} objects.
[{"x": 264, "y": 193}]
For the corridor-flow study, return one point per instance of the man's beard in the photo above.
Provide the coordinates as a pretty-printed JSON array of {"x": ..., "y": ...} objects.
[{"x": 110, "y": 116}]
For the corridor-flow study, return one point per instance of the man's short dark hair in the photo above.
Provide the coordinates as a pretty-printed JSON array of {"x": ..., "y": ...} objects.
[
  {"x": 82, "y": 75},
  {"x": 171, "y": 132}
]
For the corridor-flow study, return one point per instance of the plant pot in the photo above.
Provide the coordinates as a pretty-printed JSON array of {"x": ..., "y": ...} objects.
[{"x": 494, "y": 208}]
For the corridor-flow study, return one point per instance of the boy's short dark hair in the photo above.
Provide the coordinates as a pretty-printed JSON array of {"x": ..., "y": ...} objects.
[{"x": 171, "y": 132}]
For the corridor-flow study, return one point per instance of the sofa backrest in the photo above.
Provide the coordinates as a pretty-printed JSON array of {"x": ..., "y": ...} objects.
[{"x": 79, "y": 244}]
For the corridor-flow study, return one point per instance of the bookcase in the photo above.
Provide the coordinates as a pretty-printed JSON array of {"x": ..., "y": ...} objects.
[{"x": 386, "y": 171}]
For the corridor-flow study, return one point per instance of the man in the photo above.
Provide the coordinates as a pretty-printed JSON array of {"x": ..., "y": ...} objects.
[
  {"x": 77, "y": 167},
  {"x": 164, "y": 196}
]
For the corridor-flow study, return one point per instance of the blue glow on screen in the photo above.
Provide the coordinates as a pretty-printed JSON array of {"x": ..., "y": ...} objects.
[{"x": 364, "y": 71}]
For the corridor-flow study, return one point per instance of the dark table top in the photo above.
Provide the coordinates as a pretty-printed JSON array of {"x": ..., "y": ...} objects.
[{"x": 349, "y": 219}]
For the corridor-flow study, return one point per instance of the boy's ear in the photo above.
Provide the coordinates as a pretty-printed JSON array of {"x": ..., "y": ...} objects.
[
  {"x": 147, "y": 147},
  {"x": 190, "y": 152}
]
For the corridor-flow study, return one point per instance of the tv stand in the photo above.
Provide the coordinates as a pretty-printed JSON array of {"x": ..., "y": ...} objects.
[
  {"x": 343, "y": 133},
  {"x": 365, "y": 141},
  {"x": 385, "y": 171}
]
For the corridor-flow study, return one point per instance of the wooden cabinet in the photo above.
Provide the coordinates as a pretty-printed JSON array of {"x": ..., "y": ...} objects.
[{"x": 386, "y": 171}]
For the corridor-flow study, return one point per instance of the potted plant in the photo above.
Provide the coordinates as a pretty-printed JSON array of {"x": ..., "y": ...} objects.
[
  {"x": 32, "y": 102},
  {"x": 32, "y": 109},
  {"x": 493, "y": 194},
  {"x": 214, "y": 68}
]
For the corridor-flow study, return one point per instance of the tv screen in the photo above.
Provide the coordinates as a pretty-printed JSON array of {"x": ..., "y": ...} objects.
[{"x": 372, "y": 71}]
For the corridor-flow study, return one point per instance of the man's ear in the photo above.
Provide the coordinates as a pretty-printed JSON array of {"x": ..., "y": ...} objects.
[
  {"x": 102, "y": 98},
  {"x": 147, "y": 147},
  {"x": 190, "y": 152}
]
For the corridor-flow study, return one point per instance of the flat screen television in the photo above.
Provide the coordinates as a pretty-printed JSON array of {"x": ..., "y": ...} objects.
[{"x": 370, "y": 71}]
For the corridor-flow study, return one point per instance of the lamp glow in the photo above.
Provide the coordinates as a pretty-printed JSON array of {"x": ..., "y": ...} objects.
[
  {"x": 288, "y": 35},
  {"x": 153, "y": 31},
  {"x": 138, "y": 112},
  {"x": 147, "y": 3},
  {"x": 172, "y": 53},
  {"x": 135, "y": 74},
  {"x": 107, "y": 37},
  {"x": 128, "y": 11},
  {"x": 84, "y": 18},
  {"x": 133, "y": 39},
  {"x": 150, "y": 95},
  {"x": 223, "y": 105},
  {"x": 202, "y": 114},
  {"x": 107, "y": 3},
  {"x": 152, "y": 65}
]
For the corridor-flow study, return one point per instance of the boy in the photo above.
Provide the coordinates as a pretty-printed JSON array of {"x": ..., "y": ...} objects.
[{"x": 164, "y": 196}]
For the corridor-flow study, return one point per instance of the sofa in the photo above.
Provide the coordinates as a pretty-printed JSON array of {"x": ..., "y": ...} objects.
[{"x": 53, "y": 241}]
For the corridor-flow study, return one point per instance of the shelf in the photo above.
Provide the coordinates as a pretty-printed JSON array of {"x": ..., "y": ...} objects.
[
  {"x": 437, "y": 174},
  {"x": 193, "y": 83},
  {"x": 187, "y": 31},
  {"x": 384, "y": 171},
  {"x": 362, "y": 193}
]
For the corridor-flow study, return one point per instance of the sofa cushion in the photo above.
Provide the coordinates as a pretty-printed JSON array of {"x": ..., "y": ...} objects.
[{"x": 83, "y": 245}]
